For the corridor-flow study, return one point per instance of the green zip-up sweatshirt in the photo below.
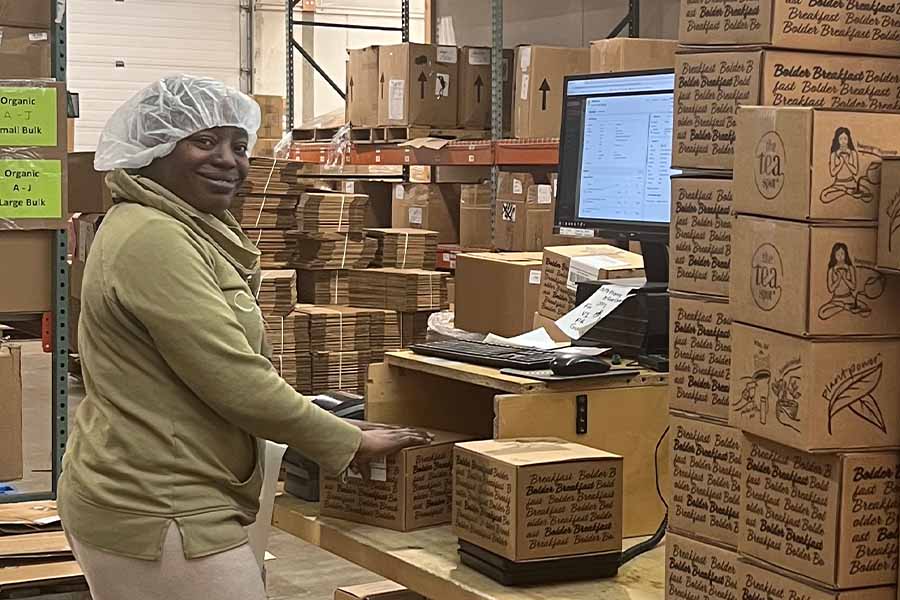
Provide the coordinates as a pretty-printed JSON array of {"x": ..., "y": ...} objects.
[{"x": 178, "y": 390}]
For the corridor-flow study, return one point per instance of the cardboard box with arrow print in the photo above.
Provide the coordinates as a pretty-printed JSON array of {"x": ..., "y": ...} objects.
[
  {"x": 538, "y": 94},
  {"x": 362, "y": 87},
  {"x": 475, "y": 79},
  {"x": 418, "y": 84}
]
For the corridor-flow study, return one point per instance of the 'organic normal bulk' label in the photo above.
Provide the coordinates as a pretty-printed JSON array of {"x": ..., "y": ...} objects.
[
  {"x": 31, "y": 189},
  {"x": 28, "y": 116}
]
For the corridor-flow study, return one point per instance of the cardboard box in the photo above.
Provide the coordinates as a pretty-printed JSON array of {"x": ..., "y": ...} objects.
[
  {"x": 272, "y": 116},
  {"x": 524, "y": 225},
  {"x": 556, "y": 334},
  {"x": 10, "y": 412},
  {"x": 811, "y": 279},
  {"x": 758, "y": 581},
  {"x": 816, "y": 395},
  {"x": 414, "y": 489},
  {"x": 706, "y": 479},
  {"x": 700, "y": 346},
  {"x": 427, "y": 206},
  {"x": 418, "y": 85},
  {"x": 475, "y": 217},
  {"x": 363, "y": 93},
  {"x": 806, "y": 164},
  {"x": 829, "y": 517},
  {"x": 475, "y": 88},
  {"x": 497, "y": 292},
  {"x": 88, "y": 192},
  {"x": 379, "y": 590},
  {"x": 537, "y": 498},
  {"x": 378, "y": 211},
  {"x": 25, "y": 271},
  {"x": 616, "y": 55},
  {"x": 711, "y": 84},
  {"x": 698, "y": 570},
  {"x": 25, "y": 13},
  {"x": 33, "y": 149},
  {"x": 852, "y": 27},
  {"x": 24, "y": 53},
  {"x": 700, "y": 235},
  {"x": 514, "y": 186},
  {"x": 889, "y": 216},
  {"x": 565, "y": 266},
  {"x": 538, "y": 93}
]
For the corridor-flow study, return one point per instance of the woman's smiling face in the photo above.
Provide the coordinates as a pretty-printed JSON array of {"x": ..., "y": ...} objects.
[{"x": 206, "y": 169}]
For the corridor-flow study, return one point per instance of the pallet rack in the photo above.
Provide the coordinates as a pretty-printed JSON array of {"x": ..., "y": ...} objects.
[{"x": 56, "y": 322}]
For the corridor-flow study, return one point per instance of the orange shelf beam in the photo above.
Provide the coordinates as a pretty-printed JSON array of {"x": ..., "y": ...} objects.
[{"x": 456, "y": 153}]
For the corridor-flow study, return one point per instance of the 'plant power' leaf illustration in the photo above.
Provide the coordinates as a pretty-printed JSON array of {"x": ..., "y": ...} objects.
[{"x": 855, "y": 393}]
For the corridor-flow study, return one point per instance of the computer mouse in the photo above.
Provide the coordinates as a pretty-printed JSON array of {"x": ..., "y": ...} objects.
[{"x": 574, "y": 364}]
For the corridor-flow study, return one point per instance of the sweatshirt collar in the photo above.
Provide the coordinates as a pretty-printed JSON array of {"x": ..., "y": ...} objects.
[{"x": 141, "y": 190}]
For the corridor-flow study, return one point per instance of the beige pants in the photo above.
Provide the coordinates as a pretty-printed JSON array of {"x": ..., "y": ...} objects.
[{"x": 231, "y": 575}]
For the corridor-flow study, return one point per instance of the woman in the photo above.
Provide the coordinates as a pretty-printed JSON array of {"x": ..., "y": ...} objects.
[
  {"x": 841, "y": 282},
  {"x": 162, "y": 472},
  {"x": 843, "y": 165}
]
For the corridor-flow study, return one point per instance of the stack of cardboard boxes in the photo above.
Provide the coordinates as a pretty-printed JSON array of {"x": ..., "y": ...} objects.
[
  {"x": 815, "y": 327},
  {"x": 768, "y": 307},
  {"x": 271, "y": 126},
  {"x": 33, "y": 199},
  {"x": 25, "y": 31}
]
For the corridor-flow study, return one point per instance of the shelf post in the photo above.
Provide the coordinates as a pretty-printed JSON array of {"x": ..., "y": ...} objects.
[
  {"x": 497, "y": 75},
  {"x": 404, "y": 14},
  {"x": 289, "y": 62},
  {"x": 60, "y": 289}
]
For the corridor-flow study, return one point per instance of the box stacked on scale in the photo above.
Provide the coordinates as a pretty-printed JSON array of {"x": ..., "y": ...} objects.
[
  {"x": 532, "y": 511},
  {"x": 814, "y": 327}
]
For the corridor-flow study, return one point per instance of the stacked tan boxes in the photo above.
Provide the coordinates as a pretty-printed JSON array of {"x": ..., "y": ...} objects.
[
  {"x": 816, "y": 336},
  {"x": 33, "y": 143}
]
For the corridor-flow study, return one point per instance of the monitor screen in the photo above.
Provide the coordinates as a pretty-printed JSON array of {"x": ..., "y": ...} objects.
[{"x": 615, "y": 153}]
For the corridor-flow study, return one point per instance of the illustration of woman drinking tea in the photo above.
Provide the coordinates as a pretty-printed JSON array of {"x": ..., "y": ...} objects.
[
  {"x": 842, "y": 285},
  {"x": 843, "y": 165}
]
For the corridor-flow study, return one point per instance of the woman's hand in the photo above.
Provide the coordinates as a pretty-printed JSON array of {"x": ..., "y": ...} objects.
[{"x": 378, "y": 443}]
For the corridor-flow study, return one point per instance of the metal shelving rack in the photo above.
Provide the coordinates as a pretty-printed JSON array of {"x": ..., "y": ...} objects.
[
  {"x": 59, "y": 316},
  {"x": 293, "y": 45}
]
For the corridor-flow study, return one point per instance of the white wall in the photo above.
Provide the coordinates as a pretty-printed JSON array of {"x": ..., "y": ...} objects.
[
  {"x": 329, "y": 46},
  {"x": 573, "y": 23}
]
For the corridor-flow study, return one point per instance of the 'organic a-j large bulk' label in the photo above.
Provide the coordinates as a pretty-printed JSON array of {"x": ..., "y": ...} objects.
[
  {"x": 28, "y": 116},
  {"x": 30, "y": 189}
]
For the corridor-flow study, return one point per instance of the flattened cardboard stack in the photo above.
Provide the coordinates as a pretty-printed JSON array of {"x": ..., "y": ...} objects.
[
  {"x": 272, "y": 177},
  {"x": 324, "y": 212},
  {"x": 276, "y": 247},
  {"x": 33, "y": 548},
  {"x": 266, "y": 211},
  {"x": 277, "y": 292},
  {"x": 405, "y": 248},
  {"x": 288, "y": 336},
  {"x": 403, "y": 290},
  {"x": 791, "y": 261},
  {"x": 329, "y": 251},
  {"x": 337, "y": 328},
  {"x": 324, "y": 287},
  {"x": 340, "y": 371}
]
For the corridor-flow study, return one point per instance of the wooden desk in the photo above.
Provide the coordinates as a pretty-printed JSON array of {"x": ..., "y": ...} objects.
[
  {"x": 625, "y": 415},
  {"x": 427, "y": 562}
]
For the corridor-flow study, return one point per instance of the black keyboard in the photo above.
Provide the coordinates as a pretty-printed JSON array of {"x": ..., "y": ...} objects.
[{"x": 489, "y": 355}]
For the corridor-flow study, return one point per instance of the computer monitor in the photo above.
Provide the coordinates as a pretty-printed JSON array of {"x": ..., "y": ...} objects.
[{"x": 615, "y": 160}]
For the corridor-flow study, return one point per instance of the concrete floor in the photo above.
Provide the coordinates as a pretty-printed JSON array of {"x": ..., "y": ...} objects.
[{"x": 298, "y": 572}]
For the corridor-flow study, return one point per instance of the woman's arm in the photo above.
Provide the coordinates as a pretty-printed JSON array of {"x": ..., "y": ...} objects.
[
  {"x": 834, "y": 163},
  {"x": 164, "y": 278},
  {"x": 853, "y": 162}
]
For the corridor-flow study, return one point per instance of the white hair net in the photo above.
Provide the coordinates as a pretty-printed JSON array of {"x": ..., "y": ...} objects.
[{"x": 149, "y": 125}]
